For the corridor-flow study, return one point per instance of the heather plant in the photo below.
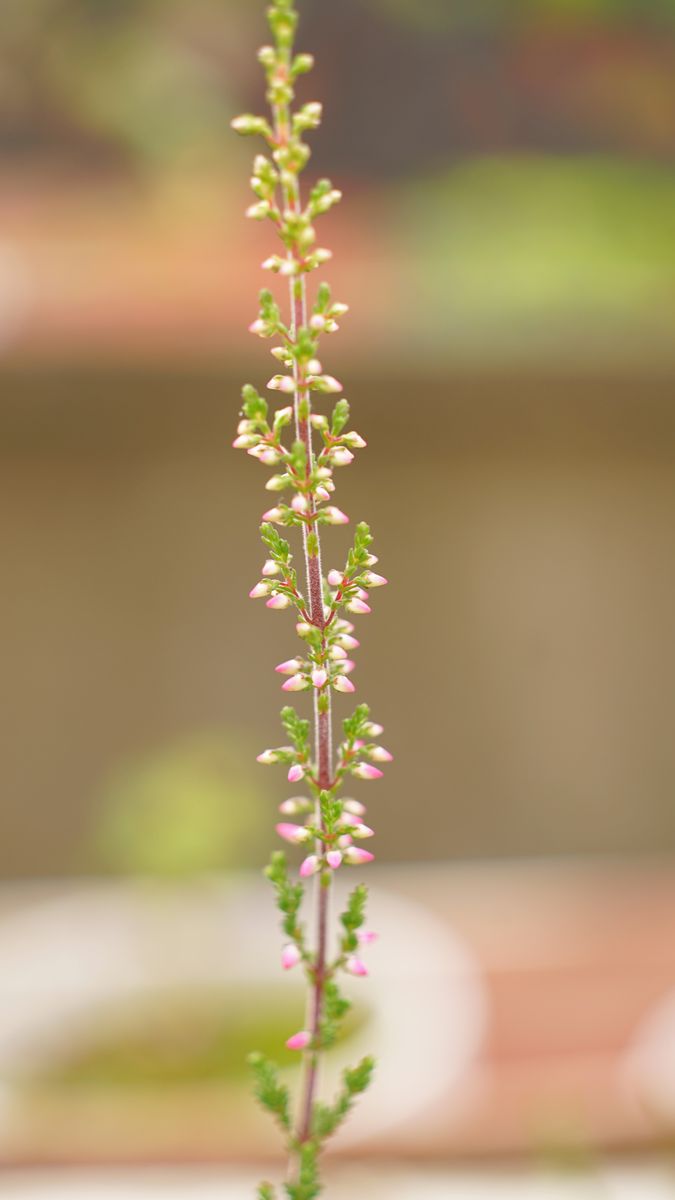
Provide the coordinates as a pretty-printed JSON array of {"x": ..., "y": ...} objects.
[{"x": 304, "y": 446}]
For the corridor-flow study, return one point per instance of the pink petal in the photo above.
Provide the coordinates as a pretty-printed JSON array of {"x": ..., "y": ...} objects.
[{"x": 299, "y": 1040}]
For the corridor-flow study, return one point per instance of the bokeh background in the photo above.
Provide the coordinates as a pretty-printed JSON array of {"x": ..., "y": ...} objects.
[{"x": 507, "y": 247}]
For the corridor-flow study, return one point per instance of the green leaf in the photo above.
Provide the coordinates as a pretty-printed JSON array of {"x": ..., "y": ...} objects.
[
  {"x": 270, "y": 1093},
  {"x": 278, "y": 547},
  {"x": 323, "y": 295},
  {"x": 355, "y": 913},
  {"x": 340, "y": 418},
  {"x": 254, "y": 406},
  {"x": 328, "y": 1117},
  {"x": 296, "y": 727},
  {"x": 356, "y": 1079},
  {"x": 309, "y": 1184},
  {"x": 288, "y": 896},
  {"x": 353, "y": 726}
]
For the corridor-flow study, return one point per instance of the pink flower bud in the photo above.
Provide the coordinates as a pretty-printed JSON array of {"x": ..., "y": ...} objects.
[
  {"x": 267, "y": 757},
  {"x": 283, "y": 415},
  {"x": 290, "y": 956},
  {"x": 317, "y": 322},
  {"x": 335, "y": 516},
  {"x": 269, "y": 457},
  {"x": 361, "y": 593},
  {"x": 355, "y": 856},
  {"x": 293, "y": 833},
  {"x": 366, "y": 771},
  {"x": 334, "y": 858},
  {"x": 347, "y": 666},
  {"x": 310, "y": 866},
  {"x": 281, "y": 383},
  {"x": 246, "y": 441},
  {"x": 319, "y": 421},
  {"x": 371, "y": 560},
  {"x": 270, "y": 567},
  {"x": 337, "y": 653},
  {"x": 362, "y": 831},
  {"x": 319, "y": 677},
  {"x": 347, "y": 642},
  {"x": 324, "y": 383},
  {"x": 290, "y": 667},
  {"x": 299, "y": 1040},
  {"x": 342, "y": 684},
  {"x": 356, "y": 807},
  {"x": 373, "y": 729},
  {"x": 299, "y": 503},
  {"x": 335, "y": 578},
  {"x": 341, "y": 456},
  {"x": 345, "y": 840},
  {"x": 295, "y": 773},
  {"x": 275, "y": 515},
  {"x": 260, "y": 589},
  {"x": 278, "y": 601},
  {"x": 297, "y": 683},
  {"x": 372, "y": 579},
  {"x": 322, "y": 493},
  {"x": 302, "y": 628},
  {"x": 277, "y": 483},
  {"x": 314, "y": 367},
  {"x": 258, "y": 326},
  {"x": 366, "y": 936},
  {"x": 296, "y": 804},
  {"x": 379, "y": 754},
  {"x": 355, "y": 966},
  {"x": 354, "y": 440},
  {"x": 358, "y": 606}
]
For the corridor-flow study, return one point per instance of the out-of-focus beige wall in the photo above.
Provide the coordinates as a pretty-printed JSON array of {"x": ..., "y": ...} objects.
[{"x": 521, "y": 661}]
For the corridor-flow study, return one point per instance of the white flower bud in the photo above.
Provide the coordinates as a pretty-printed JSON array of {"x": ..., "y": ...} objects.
[
  {"x": 341, "y": 456},
  {"x": 354, "y": 440},
  {"x": 247, "y": 124},
  {"x": 277, "y": 483},
  {"x": 324, "y": 383},
  {"x": 267, "y": 56},
  {"x": 281, "y": 383},
  {"x": 258, "y": 212}
]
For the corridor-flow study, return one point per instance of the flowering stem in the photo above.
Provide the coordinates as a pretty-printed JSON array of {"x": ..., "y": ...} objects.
[
  {"x": 331, "y": 822},
  {"x": 311, "y": 539}
]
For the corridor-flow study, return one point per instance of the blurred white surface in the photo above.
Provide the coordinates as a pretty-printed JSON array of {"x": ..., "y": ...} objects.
[{"x": 612, "y": 1183}]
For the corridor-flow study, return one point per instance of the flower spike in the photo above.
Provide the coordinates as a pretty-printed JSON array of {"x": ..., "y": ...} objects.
[{"x": 303, "y": 438}]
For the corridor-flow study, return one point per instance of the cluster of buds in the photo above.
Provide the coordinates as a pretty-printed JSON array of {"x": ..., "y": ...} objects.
[{"x": 304, "y": 446}]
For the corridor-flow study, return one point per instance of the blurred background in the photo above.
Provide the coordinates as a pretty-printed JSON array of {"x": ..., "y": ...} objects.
[{"x": 507, "y": 248}]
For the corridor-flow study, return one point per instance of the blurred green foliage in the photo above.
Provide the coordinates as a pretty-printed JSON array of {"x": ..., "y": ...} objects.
[
  {"x": 193, "y": 807},
  {"x": 542, "y": 245},
  {"x": 154, "y": 82},
  {"x": 184, "y": 1038},
  {"x": 484, "y": 14}
]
